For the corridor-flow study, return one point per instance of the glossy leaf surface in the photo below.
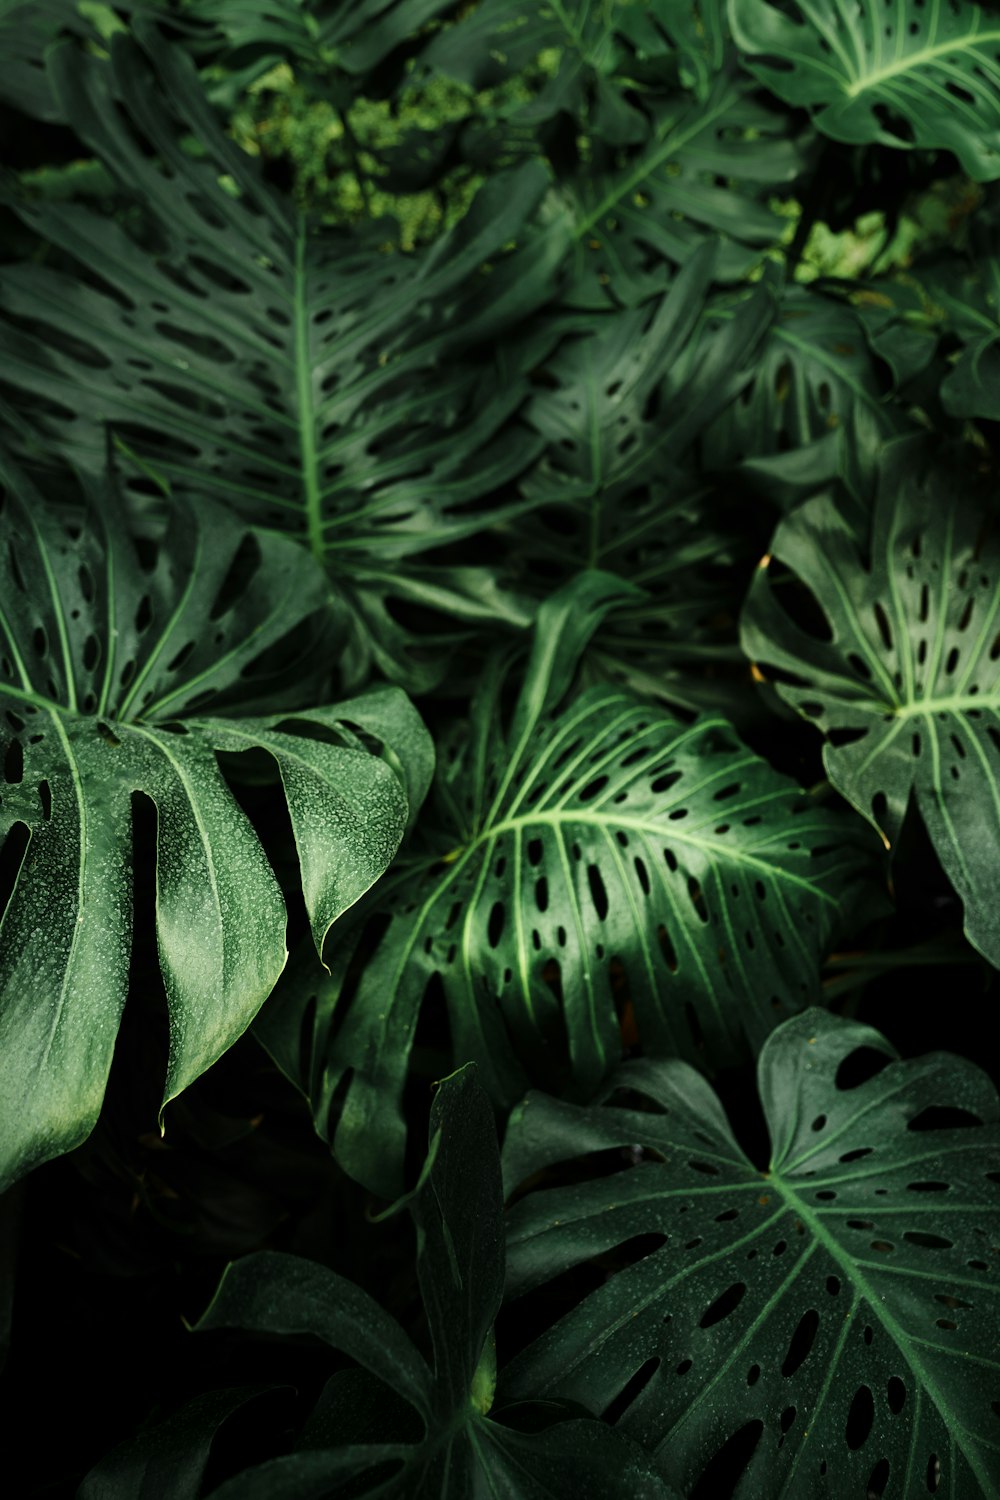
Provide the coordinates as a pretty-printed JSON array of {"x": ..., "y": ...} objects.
[
  {"x": 111, "y": 669},
  {"x": 906, "y": 73},
  {"x": 832, "y": 1317},
  {"x": 599, "y": 851},
  {"x": 902, "y": 671}
]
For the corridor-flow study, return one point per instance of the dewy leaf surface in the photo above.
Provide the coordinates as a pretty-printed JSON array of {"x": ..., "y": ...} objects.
[
  {"x": 109, "y": 671},
  {"x": 838, "y": 1311},
  {"x": 909, "y": 72},
  {"x": 313, "y": 384},
  {"x": 599, "y": 851},
  {"x": 904, "y": 678},
  {"x": 462, "y": 1452}
]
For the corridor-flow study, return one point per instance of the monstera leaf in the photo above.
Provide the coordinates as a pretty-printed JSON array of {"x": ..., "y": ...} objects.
[
  {"x": 902, "y": 676},
  {"x": 710, "y": 168},
  {"x": 121, "y": 677},
  {"x": 826, "y": 1326},
  {"x": 587, "y": 849},
  {"x": 815, "y": 393},
  {"x": 966, "y": 294},
  {"x": 398, "y": 1426},
  {"x": 619, "y": 405},
  {"x": 905, "y": 74},
  {"x": 346, "y": 35},
  {"x": 310, "y": 382}
]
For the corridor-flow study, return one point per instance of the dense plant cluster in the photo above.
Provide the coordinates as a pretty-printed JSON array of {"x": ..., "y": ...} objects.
[{"x": 500, "y": 745}]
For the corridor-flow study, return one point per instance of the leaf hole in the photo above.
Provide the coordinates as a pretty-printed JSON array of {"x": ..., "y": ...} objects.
[
  {"x": 860, "y": 1418},
  {"x": 801, "y": 1343}
]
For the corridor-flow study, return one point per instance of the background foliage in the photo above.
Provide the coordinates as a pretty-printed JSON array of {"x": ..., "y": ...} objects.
[{"x": 499, "y": 583}]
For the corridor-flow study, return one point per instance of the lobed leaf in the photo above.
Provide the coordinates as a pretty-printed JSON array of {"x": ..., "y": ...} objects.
[
  {"x": 901, "y": 674},
  {"x": 109, "y": 670},
  {"x": 826, "y": 1324}
]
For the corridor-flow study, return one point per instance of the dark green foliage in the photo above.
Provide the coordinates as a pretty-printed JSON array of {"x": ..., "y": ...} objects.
[{"x": 499, "y": 583}]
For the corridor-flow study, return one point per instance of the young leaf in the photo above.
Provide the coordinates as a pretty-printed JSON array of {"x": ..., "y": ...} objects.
[
  {"x": 109, "y": 670},
  {"x": 905, "y": 74},
  {"x": 590, "y": 849},
  {"x": 457, "y": 1207},
  {"x": 901, "y": 674},
  {"x": 832, "y": 1317}
]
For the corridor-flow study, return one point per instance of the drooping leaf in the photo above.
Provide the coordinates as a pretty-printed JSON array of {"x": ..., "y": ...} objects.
[
  {"x": 585, "y": 850},
  {"x": 903, "y": 676},
  {"x": 902, "y": 74},
  {"x": 120, "y": 677},
  {"x": 831, "y": 1319},
  {"x": 461, "y": 1451},
  {"x": 312, "y": 383}
]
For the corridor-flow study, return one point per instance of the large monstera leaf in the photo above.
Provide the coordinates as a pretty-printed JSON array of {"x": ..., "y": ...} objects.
[
  {"x": 828, "y": 1325},
  {"x": 620, "y": 404},
  {"x": 120, "y": 677},
  {"x": 904, "y": 73},
  {"x": 711, "y": 167},
  {"x": 904, "y": 676},
  {"x": 393, "y": 1425},
  {"x": 589, "y": 849},
  {"x": 310, "y": 382}
]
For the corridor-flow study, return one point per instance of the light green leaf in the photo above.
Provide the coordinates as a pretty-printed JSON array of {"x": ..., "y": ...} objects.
[
  {"x": 907, "y": 73},
  {"x": 836, "y": 1311},
  {"x": 903, "y": 676},
  {"x": 588, "y": 851},
  {"x": 109, "y": 668}
]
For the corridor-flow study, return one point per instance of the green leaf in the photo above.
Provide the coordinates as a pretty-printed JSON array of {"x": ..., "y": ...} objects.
[
  {"x": 905, "y": 74},
  {"x": 901, "y": 672},
  {"x": 352, "y": 35},
  {"x": 620, "y": 405},
  {"x": 120, "y": 677},
  {"x": 966, "y": 294},
  {"x": 457, "y": 1208},
  {"x": 814, "y": 399},
  {"x": 837, "y": 1311},
  {"x": 314, "y": 384},
  {"x": 711, "y": 169},
  {"x": 587, "y": 851},
  {"x": 171, "y": 1458}
]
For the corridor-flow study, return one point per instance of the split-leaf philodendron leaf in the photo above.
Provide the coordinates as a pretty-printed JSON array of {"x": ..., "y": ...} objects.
[
  {"x": 123, "y": 674},
  {"x": 590, "y": 851},
  {"x": 902, "y": 670},
  {"x": 251, "y": 355},
  {"x": 832, "y": 1318},
  {"x": 437, "y": 1437},
  {"x": 903, "y": 73}
]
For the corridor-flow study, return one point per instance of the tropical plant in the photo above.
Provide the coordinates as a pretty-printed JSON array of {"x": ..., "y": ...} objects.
[{"x": 500, "y": 648}]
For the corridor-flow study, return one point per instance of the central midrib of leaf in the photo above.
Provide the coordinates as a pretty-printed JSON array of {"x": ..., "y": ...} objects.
[
  {"x": 305, "y": 404},
  {"x": 856, "y": 1278},
  {"x": 861, "y": 82}
]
